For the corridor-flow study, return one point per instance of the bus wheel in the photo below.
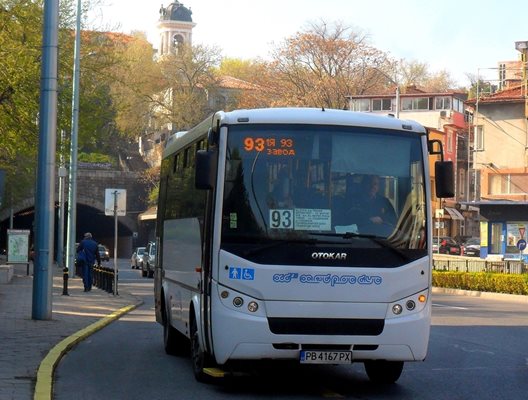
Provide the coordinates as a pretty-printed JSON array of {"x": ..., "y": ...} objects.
[
  {"x": 198, "y": 356},
  {"x": 173, "y": 341},
  {"x": 382, "y": 371}
]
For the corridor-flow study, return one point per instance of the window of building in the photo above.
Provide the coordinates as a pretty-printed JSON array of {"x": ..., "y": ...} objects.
[
  {"x": 443, "y": 103},
  {"x": 361, "y": 105},
  {"x": 478, "y": 144},
  {"x": 416, "y": 103},
  {"x": 381, "y": 105},
  {"x": 461, "y": 182},
  {"x": 507, "y": 184},
  {"x": 458, "y": 105},
  {"x": 502, "y": 76},
  {"x": 449, "y": 140},
  {"x": 177, "y": 42}
]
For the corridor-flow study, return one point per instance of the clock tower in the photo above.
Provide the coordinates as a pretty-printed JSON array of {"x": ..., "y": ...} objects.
[{"x": 175, "y": 28}]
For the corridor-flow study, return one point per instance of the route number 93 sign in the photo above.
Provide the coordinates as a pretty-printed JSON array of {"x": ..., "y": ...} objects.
[{"x": 306, "y": 219}]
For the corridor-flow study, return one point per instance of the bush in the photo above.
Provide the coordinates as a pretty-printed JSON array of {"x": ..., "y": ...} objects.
[
  {"x": 96, "y": 158},
  {"x": 482, "y": 281}
]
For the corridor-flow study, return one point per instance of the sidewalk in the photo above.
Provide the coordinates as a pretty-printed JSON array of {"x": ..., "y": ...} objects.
[{"x": 25, "y": 342}]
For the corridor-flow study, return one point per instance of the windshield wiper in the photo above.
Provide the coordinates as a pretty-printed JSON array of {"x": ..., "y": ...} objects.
[
  {"x": 277, "y": 243},
  {"x": 347, "y": 235},
  {"x": 382, "y": 241}
]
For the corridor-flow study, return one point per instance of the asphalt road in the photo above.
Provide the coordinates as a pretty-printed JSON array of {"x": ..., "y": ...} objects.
[{"x": 478, "y": 350}]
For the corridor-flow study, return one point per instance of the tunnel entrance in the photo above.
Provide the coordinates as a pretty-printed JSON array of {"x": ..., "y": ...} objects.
[{"x": 89, "y": 219}]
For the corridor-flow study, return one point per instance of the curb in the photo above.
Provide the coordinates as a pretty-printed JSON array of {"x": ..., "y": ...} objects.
[
  {"x": 516, "y": 298},
  {"x": 44, "y": 383}
]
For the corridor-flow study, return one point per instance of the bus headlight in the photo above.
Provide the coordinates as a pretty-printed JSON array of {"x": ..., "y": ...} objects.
[
  {"x": 252, "y": 306},
  {"x": 238, "y": 301},
  {"x": 397, "y": 309},
  {"x": 241, "y": 303},
  {"x": 408, "y": 305}
]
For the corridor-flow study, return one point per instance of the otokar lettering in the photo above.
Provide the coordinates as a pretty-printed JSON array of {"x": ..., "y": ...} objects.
[{"x": 328, "y": 256}]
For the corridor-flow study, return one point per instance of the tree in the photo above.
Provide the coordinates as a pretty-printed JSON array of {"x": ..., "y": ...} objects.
[
  {"x": 188, "y": 76},
  {"x": 483, "y": 87},
  {"x": 20, "y": 69},
  {"x": 323, "y": 65},
  {"x": 136, "y": 78},
  {"x": 259, "y": 86},
  {"x": 20, "y": 53},
  {"x": 415, "y": 73}
]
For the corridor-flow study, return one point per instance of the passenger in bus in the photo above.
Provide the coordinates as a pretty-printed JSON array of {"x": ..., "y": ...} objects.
[
  {"x": 281, "y": 195},
  {"x": 378, "y": 216}
]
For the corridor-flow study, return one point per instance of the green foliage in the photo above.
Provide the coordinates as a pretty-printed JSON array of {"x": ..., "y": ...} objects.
[
  {"x": 153, "y": 196},
  {"x": 20, "y": 52},
  {"x": 97, "y": 158},
  {"x": 187, "y": 74},
  {"x": 482, "y": 281}
]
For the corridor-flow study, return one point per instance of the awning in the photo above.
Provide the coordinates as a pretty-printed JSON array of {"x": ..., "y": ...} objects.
[
  {"x": 150, "y": 214},
  {"x": 454, "y": 213}
]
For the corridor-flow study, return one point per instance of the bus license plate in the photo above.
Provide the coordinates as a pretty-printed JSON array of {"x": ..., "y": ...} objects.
[{"x": 326, "y": 357}]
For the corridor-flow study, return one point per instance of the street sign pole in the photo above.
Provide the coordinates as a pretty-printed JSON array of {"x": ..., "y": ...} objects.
[
  {"x": 116, "y": 193},
  {"x": 115, "y": 204}
]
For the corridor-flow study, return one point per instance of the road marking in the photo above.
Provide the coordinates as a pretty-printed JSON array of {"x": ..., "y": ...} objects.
[
  {"x": 44, "y": 383},
  {"x": 456, "y": 346},
  {"x": 448, "y": 306}
]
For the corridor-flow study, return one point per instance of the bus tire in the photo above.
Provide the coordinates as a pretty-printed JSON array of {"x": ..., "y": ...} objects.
[
  {"x": 382, "y": 371},
  {"x": 199, "y": 358}
]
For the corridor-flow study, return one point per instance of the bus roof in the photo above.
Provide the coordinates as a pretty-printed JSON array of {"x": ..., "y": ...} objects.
[
  {"x": 317, "y": 116},
  {"x": 314, "y": 116}
]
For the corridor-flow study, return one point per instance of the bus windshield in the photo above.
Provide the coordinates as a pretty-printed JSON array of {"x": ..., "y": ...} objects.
[{"x": 310, "y": 185}]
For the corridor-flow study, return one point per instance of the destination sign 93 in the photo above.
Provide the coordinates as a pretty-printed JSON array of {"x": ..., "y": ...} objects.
[{"x": 270, "y": 146}]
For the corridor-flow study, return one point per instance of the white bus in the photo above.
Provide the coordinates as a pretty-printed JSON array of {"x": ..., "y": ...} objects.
[{"x": 268, "y": 249}]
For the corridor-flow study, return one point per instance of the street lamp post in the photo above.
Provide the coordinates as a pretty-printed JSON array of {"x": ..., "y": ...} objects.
[
  {"x": 45, "y": 190},
  {"x": 522, "y": 47},
  {"x": 72, "y": 192},
  {"x": 60, "y": 224}
]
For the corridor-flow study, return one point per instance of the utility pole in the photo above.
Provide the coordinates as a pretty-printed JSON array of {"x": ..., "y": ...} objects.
[
  {"x": 72, "y": 192},
  {"x": 60, "y": 225},
  {"x": 116, "y": 194},
  {"x": 45, "y": 191}
]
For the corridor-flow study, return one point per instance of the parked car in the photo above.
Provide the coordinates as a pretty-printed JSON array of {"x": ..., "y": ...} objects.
[
  {"x": 472, "y": 247},
  {"x": 137, "y": 257},
  {"x": 149, "y": 260},
  {"x": 446, "y": 245},
  {"x": 103, "y": 252}
]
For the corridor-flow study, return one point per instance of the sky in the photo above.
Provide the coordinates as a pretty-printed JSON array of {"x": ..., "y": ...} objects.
[{"x": 462, "y": 37}]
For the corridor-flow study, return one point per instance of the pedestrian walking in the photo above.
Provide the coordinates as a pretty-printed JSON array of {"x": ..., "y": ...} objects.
[{"x": 87, "y": 254}]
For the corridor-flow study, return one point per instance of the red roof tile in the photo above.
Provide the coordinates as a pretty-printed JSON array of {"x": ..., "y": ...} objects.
[
  {"x": 229, "y": 82},
  {"x": 511, "y": 95}
]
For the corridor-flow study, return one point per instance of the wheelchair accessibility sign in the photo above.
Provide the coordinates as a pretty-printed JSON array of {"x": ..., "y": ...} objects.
[{"x": 239, "y": 273}]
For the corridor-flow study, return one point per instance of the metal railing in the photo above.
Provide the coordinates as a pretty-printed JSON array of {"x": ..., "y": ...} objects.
[
  {"x": 467, "y": 264},
  {"x": 103, "y": 278}
]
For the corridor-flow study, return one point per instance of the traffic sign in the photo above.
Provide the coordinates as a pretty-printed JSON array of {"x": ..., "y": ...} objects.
[
  {"x": 115, "y": 199},
  {"x": 521, "y": 244}
]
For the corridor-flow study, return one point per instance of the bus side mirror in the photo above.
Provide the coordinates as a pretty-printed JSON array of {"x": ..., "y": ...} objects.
[
  {"x": 205, "y": 177},
  {"x": 444, "y": 179}
]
